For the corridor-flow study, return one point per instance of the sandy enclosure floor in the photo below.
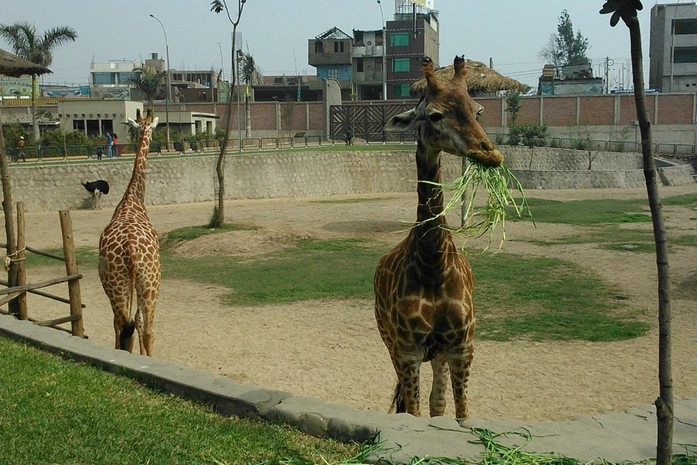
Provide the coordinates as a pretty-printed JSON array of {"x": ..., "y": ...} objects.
[{"x": 332, "y": 350}]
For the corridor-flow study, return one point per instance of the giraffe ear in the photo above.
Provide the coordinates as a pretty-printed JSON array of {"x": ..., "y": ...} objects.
[
  {"x": 133, "y": 124},
  {"x": 154, "y": 122},
  {"x": 402, "y": 122}
]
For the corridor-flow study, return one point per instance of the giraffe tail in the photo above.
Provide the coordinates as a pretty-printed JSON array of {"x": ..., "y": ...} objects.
[
  {"x": 398, "y": 403},
  {"x": 127, "y": 331}
]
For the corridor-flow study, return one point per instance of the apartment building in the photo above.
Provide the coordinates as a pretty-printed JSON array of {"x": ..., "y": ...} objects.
[{"x": 673, "y": 48}]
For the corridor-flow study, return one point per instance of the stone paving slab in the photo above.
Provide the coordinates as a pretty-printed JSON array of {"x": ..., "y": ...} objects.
[{"x": 614, "y": 436}]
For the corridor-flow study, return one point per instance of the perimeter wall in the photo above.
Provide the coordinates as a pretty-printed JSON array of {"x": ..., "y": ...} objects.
[{"x": 185, "y": 179}]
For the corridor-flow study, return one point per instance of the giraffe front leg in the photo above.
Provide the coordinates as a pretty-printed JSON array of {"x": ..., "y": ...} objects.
[
  {"x": 460, "y": 360},
  {"x": 408, "y": 375},
  {"x": 436, "y": 400}
]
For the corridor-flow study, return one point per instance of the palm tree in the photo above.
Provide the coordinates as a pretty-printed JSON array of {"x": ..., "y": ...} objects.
[
  {"x": 24, "y": 41},
  {"x": 149, "y": 82},
  {"x": 250, "y": 75},
  {"x": 627, "y": 11}
]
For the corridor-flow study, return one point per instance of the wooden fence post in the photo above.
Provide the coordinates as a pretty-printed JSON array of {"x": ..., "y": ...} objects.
[
  {"x": 21, "y": 264},
  {"x": 71, "y": 269}
]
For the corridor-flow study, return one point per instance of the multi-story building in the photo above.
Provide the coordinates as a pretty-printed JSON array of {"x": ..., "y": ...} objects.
[
  {"x": 111, "y": 79},
  {"x": 368, "y": 64},
  {"x": 374, "y": 61},
  {"x": 673, "y": 48},
  {"x": 412, "y": 36},
  {"x": 332, "y": 54}
]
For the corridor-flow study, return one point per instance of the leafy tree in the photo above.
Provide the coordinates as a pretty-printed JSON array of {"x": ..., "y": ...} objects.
[
  {"x": 513, "y": 105},
  {"x": 25, "y": 43},
  {"x": 220, "y": 6},
  {"x": 566, "y": 48},
  {"x": 149, "y": 82},
  {"x": 627, "y": 11}
]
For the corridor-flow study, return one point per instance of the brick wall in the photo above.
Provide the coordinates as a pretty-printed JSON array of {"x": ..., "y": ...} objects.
[{"x": 599, "y": 110}]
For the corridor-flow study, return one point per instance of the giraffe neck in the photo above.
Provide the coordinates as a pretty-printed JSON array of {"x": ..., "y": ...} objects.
[
  {"x": 430, "y": 196},
  {"x": 431, "y": 242},
  {"x": 136, "y": 186}
]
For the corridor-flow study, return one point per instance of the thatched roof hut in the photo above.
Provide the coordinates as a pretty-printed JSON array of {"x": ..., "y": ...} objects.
[
  {"x": 12, "y": 65},
  {"x": 481, "y": 80}
]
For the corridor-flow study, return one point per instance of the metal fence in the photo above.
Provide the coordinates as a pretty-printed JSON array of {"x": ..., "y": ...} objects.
[{"x": 256, "y": 144}]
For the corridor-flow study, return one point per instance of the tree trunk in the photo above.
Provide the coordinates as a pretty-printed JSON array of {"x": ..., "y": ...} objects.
[
  {"x": 218, "y": 219},
  {"x": 34, "y": 119},
  {"x": 247, "y": 116},
  {"x": 664, "y": 403},
  {"x": 11, "y": 248}
]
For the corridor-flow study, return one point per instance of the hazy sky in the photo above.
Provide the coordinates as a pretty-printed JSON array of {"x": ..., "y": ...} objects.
[{"x": 276, "y": 32}]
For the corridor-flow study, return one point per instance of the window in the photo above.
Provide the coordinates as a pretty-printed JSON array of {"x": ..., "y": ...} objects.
[
  {"x": 358, "y": 38},
  {"x": 103, "y": 78},
  {"x": 399, "y": 39},
  {"x": 359, "y": 65},
  {"x": 124, "y": 78},
  {"x": 685, "y": 26},
  {"x": 400, "y": 65},
  {"x": 334, "y": 73},
  {"x": 338, "y": 47},
  {"x": 401, "y": 90},
  {"x": 319, "y": 47},
  {"x": 685, "y": 55}
]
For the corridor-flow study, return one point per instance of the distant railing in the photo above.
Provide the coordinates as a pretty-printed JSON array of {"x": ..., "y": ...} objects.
[{"x": 301, "y": 141}]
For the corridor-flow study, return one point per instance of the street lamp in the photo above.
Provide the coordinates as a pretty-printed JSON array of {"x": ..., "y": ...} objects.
[
  {"x": 384, "y": 53},
  {"x": 169, "y": 86}
]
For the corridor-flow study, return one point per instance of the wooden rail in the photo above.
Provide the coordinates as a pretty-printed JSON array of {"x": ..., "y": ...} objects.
[{"x": 72, "y": 277}]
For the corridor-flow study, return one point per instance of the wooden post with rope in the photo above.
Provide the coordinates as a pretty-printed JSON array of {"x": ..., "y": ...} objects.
[
  {"x": 16, "y": 291},
  {"x": 21, "y": 264}
]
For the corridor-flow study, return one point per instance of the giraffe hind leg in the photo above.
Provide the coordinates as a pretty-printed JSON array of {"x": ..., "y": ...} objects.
[{"x": 436, "y": 400}]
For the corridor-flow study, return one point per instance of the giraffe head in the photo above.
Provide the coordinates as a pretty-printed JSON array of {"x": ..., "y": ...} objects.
[
  {"x": 446, "y": 118},
  {"x": 144, "y": 126}
]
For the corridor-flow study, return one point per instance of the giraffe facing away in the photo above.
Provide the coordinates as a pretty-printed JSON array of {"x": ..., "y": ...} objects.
[
  {"x": 423, "y": 287},
  {"x": 129, "y": 257}
]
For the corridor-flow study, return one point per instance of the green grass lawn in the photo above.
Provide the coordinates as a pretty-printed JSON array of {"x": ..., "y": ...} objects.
[{"x": 54, "y": 411}]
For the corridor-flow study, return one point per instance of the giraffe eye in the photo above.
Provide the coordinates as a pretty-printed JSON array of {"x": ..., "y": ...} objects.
[{"x": 435, "y": 117}]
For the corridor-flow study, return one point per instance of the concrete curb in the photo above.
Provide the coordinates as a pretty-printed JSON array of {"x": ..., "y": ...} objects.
[{"x": 614, "y": 436}]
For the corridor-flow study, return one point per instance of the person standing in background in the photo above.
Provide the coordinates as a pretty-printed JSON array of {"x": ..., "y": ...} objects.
[
  {"x": 20, "y": 149},
  {"x": 109, "y": 145},
  {"x": 115, "y": 140}
]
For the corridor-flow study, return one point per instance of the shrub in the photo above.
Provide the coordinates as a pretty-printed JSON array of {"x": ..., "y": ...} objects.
[{"x": 530, "y": 135}]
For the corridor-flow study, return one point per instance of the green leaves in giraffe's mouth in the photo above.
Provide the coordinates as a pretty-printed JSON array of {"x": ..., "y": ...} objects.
[{"x": 478, "y": 220}]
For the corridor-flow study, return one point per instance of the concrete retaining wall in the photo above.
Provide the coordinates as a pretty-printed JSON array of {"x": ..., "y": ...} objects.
[{"x": 172, "y": 180}]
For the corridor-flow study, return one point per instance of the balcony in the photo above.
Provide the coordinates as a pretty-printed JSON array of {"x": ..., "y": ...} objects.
[{"x": 368, "y": 51}]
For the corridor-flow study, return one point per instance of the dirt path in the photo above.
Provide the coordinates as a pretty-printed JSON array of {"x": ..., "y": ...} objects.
[{"x": 331, "y": 349}]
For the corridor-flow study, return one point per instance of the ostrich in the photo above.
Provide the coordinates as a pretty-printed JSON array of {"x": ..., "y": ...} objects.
[{"x": 97, "y": 189}]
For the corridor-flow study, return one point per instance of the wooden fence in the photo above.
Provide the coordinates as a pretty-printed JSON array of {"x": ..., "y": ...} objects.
[{"x": 72, "y": 277}]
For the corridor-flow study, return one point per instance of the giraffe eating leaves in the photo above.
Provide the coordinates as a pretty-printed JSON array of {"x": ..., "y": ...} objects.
[
  {"x": 423, "y": 287},
  {"x": 129, "y": 257}
]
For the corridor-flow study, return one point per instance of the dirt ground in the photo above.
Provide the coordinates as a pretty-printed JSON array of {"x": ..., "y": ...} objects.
[{"x": 332, "y": 350}]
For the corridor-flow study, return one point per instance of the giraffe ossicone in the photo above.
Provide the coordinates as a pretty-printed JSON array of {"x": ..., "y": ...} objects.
[
  {"x": 423, "y": 287},
  {"x": 129, "y": 255}
]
